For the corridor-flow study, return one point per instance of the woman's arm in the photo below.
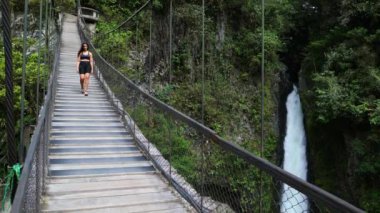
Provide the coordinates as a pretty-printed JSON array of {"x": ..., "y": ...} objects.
[
  {"x": 91, "y": 63},
  {"x": 78, "y": 62}
]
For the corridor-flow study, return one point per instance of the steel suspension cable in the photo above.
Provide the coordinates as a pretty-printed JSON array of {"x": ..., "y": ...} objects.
[
  {"x": 170, "y": 40},
  {"x": 203, "y": 60},
  {"x": 48, "y": 40},
  {"x": 137, "y": 50},
  {"x": 150, "y": 66},
  {"x": 24, "y": 61},
  {"x": 51, "y": 22},
  {"x": 46, "y": 54},
  {"x": 10, "y": 127},
  {"x": 262, "y": 75},
  {"x": 203, "y": 104},
  {"x": 39, "y": 59},
  {"x": 170, "y": 81},
  {"x": 262, "y": 94},
  {"x": 150, "y": 48}
]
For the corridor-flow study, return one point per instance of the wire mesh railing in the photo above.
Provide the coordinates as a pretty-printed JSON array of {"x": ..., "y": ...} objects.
[
  {"x": 211, "y": 173},
  {"x": 30, "y": 187}
]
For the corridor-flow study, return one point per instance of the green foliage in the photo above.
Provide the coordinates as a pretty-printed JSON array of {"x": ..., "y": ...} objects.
[
  {"x": 184, "y": 148},
  {"x": 342, "y": 88},
  {"x": 164, "y": 93},
  {"x": 116, "y": 10},
  {"x": 112, "y": 46},
  {"x": 341, "y": 67},
  {"x": 65, "y": 6},
  {"x": 370, "y": 199},
  {"x": 374, "y": 116},
  {"x": 169, "y": 138},
  {"x": 157, "y": 5}
]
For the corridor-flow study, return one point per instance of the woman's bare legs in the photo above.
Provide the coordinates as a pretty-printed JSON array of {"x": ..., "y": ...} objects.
[
  {"x": 86, "y": 82},
  {"x": 82, "y": 78}
]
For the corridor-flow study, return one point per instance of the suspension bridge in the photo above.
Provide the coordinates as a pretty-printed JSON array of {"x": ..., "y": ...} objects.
[{"x": 88, "y": 154}]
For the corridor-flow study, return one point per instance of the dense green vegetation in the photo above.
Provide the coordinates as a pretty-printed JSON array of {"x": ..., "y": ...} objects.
[
  {"x": 342, "y": 77},
  {"x": 227, "y": 72},
  {"x": 30, "y": 103},
  {"x": 329, "y": 48}
]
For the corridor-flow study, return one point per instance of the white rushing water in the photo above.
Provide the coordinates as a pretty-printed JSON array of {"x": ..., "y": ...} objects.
[{"x": 295, "y": 160}]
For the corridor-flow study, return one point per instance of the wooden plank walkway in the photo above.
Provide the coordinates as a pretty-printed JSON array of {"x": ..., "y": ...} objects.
[{"x": 94, "y": 164}]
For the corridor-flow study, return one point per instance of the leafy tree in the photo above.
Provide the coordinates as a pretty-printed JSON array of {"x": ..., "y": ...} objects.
[{"x": 341, "y": 69}]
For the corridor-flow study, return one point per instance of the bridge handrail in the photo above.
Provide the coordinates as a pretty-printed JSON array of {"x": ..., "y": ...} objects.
[
  {"x": 38, "y": 141},
  {"x": 304, "y": 187},
  {"x": 93, "y": 16},
  {"x": 91, "y": 9}
]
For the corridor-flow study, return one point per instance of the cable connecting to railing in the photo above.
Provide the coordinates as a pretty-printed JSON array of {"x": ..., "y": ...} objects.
[{"x": 24, "y": 61}]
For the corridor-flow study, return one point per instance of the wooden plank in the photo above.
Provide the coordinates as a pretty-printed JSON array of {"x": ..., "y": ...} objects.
[
  {"x": 108, "y": 193},
  {"x": 60, "y": 180},
  {"x": 138, "y": 201},
  {"x": 69, "y": 187},
  {"x": 173, "y": 206}
]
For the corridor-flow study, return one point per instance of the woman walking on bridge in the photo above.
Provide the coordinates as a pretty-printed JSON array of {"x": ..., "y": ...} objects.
[{"x": 84, "y": 67}]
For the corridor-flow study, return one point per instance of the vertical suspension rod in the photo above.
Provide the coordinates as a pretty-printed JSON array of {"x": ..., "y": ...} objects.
[
  {"x": 203, "y": 61},
  {"x": 170, "y": 40},
  {"x": 262, "y": 95},
  {"x": 46, "y": 47},
  {"x": 150, "y": 67},
  {"x": 203, "y": 103},
  {"x": 262, "y": 77},
  {"x": 24, "y": 61},
  {"x": 137, "y": 49},
  {"x": 39, "y": 59},
  {"x": 150, "y": 47}
]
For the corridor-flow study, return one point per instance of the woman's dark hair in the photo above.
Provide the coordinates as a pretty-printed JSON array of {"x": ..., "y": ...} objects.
[{"x": 81, "y": 48}]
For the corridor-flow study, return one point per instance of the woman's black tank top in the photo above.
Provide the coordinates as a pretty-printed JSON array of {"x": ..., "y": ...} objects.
[{"x": 83, "y": 56}]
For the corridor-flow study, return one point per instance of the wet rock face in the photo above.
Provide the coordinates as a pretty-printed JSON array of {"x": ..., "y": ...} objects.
[{"x": 17, "y": 24}]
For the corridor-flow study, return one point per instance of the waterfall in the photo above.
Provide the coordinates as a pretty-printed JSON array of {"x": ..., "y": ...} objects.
[{"x": 295, "y": 160}]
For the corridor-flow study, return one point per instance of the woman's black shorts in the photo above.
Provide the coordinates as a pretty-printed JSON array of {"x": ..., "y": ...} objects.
[{"x": 84, "y": 67}]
